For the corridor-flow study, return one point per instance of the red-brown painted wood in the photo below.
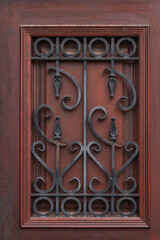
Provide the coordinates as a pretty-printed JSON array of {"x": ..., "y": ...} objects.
[
  {"x": 15, "y": 13},
  {"x": 93, "y": 70}
]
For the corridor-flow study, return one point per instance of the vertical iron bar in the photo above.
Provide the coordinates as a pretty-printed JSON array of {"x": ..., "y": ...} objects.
[
  {"x": 112, "y": 75},
  {"x": 112, "y": 54},
  {"x": 112, "y": 178},
  {"x": 57, "y": 178},
  {"x": 57, "y": 145},
  {"x": 57, "y": 55},
  {"x": 84, "y": 128},
  {"x": 113, "y": 144},
  {"x": 112, "y": 80},
  {"x": 57, "y": 77}
]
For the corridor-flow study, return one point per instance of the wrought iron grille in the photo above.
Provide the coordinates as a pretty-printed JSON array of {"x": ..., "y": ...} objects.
[{"x": 112, "y": 196}]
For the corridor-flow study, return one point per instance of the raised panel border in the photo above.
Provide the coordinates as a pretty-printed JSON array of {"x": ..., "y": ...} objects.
[{"x": 143, "y": 221}]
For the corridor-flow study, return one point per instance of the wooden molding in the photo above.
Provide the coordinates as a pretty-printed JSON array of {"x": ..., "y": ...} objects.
[
  {"x": 133, "y": 222},
  {"x": 143, "y": 221}
]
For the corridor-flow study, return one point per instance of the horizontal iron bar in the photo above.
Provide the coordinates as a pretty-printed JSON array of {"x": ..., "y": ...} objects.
[
  {"x": 84, "y": 194},
  {"x": 85, "y": 58}
]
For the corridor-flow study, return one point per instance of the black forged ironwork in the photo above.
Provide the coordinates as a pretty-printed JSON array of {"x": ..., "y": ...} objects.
[{"x": 85, "y": 149}]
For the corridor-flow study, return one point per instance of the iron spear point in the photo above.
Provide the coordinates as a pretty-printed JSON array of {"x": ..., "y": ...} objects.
[
  {"x": 57, "y": 84},
  {"x": 113, "y": 131},
  {"x": 112, "y": 84},
  {"x": 57, "y": 129}
]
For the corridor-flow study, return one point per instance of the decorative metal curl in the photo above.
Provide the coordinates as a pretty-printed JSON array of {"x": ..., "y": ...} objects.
[
  {"x": 67, "y": 98},
  {"x": 36, "y": 112},
  {"x": 73, "y": 40},
  {"x": 41, "y": 147},
  {"x": 70, "y": 165},
  {"x": 43, "y": 106},
  {"x": 96, "y": 147},
  {"x": 42, "y": 199},
  {"x": 124, "y": 98},
  {"x": 100, "y": 118},
  {"x": 127, "y": 54},
  {"x": 46, "y": 39},
  {"x": 98, "y": 214},
  {"x": 73, "y": 199},
  {"x": 101, "y": 40},
  {"x": 125, "y": 165},
  {"x": 128, "y": 199}
]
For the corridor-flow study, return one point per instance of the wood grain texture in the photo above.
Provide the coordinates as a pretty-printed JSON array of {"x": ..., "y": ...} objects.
[
  {"x": 26, "y": 101},
  {"x": 15, "y": 13}
]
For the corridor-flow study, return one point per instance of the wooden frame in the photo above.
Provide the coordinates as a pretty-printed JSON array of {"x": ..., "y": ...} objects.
[{"x": 26, "y": 221}]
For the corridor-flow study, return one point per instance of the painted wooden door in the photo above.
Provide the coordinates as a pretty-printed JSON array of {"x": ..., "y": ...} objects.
[{"x": 77, "y": 152}]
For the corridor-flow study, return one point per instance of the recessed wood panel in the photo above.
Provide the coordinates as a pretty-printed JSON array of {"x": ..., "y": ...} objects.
[{"x": 38, "y": 89}]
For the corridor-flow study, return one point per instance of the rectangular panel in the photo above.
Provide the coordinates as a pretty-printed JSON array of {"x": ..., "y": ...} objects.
[{"x": 79, "y": 165}]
